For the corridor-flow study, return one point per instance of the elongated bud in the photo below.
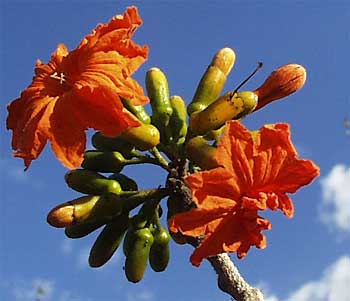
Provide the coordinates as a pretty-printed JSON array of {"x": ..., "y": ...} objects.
[
  {"x": 158, "y": 92},
  {"x": 224, "y": 59},
  {"x": 227, "y": 107},
  {"x": 178, "y": 124},
  {"x": 90, "y": 182},
  {"x": 108, "y": 241},
  {"x": 104, "y": 143},
  {"x": 90, "y": 207},
  {"x": 126, "y": 183},
  {"x": 103, "y": 161},
  {"x": 138, "y": 111},
  {"x": 160, "y": 252},
  {"x": 213, "y": 80},
  {"x": 282, "y": 82},
  {"x": 67, "y": 213},
  {"x": 143, "y": 137},
  {"x": 140, "y": 242},
  {"x": 200, "y": 152},
  {"x": 85, "y": 227}
]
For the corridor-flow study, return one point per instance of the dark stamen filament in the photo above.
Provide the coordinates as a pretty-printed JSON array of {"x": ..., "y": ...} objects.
[{"x": 260, "y": 64}]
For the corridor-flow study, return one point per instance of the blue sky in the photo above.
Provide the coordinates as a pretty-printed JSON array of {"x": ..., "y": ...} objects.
[{"x": 307, "y": 254}]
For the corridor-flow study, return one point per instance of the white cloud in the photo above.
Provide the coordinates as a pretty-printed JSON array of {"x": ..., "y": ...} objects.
[
  {"x": 332, "y": 286},
  {"x": 335, "y": 206},
  {"x": 140, "y": 295},
  {"x": 83, "y": 257},
  {"x": 265, "y": 289},
  {"x": 70, "y": 296},
  {"x": 35, "y": 289},
  {"x": 67, "y": 246},
  {"x": 17, "y": 174},
  {"x": 41, "y": 289}
]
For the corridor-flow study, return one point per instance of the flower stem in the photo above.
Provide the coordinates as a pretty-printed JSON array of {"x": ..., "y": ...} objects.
[
  {"x": 137, "y": 154},
  {"x": 142, "y": 159},
  {"x": 133, "y": 199},
  {"x": 158, "y": 156}
]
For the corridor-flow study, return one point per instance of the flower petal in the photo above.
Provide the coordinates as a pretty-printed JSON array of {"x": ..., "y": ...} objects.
[
  {"x": 115, "y": 69},
  {"x": 109, "y": 51},
  {"x": 276, "y": 135},
  {"x": 295, "y": 174},
  {"x": 100, "y": 108},
  {"x": 285, "y": 204},
  {"x": 67, "y": 133},
  {"x": 237, "y": 232},
  {"x": 237, "y": 143},
  {"x": 196, "y": 222},
  {"x": 213, "y": 188},
  {"x": 127, "y": 24},
  {"x": 29, "y": 121}
]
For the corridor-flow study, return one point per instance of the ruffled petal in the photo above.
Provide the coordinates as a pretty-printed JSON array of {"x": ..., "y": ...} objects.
[
  {"x": 246, "y": 230},
  {"x": 67, "y": 134},
  {"x": 276, "y": 135},
  {"x": 213, "y": 188},
  {"x": 16, "y": 111},
  {"x": 29, "y": 121},
  {"x": 114, "y": 70},
  {"x": 237, "y": 232},
  {"x": 285, "y": 204},
  {"x": 101, "y": 109},
  {"x": 213, "y": 243},
  {"x": 235, "y": 153},
  {"x": 295, "y": 174},
  {"x": 127, "y": 24},
  {"x": 109, "y": 50},
  {"x": 196, "y": 222}
]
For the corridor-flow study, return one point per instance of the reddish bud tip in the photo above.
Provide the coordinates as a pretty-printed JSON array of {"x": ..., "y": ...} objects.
[
  {"x": 61, "y": 216},
  {"x": 282, "y": 82}
]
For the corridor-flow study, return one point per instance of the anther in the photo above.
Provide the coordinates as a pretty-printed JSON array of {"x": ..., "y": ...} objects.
[{"x": 59, "y": 76}]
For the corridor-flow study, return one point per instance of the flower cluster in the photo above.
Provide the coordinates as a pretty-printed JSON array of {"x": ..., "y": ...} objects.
[{"x": 91, "y": 87}]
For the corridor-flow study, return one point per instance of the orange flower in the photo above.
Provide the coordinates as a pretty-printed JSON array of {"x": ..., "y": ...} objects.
[
  {"x": 256, "y": 171},
  {"x": 78, "y": 90}
]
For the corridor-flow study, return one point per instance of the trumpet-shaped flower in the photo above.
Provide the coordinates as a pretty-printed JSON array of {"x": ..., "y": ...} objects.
[
  {"x": 78, "y": 90},
  {"x": 255, "y": 172}
]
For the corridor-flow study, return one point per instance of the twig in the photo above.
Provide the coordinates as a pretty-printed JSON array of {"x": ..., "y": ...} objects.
[
  {"x": 231, "y": 281},
  {"x": 158, "y": 156}
]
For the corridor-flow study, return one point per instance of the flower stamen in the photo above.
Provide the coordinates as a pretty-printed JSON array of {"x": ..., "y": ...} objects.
[{"x": 59, "y": 76}]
